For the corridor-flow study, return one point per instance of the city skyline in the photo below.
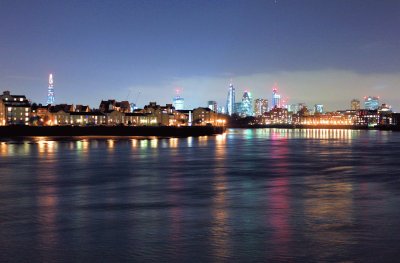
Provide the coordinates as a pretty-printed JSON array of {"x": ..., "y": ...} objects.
[
  {"x": 318, "y": 52},
  {"x": 178, "y": 102}
]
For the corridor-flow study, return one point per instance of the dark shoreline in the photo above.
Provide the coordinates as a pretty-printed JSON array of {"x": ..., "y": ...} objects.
[
  {"x": 69, "y": 131},
  {"x": 155, "y": 131}
]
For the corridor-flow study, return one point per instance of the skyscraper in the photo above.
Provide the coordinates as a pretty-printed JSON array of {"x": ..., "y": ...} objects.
[
  {"x": 260, "y": 107},
  {"x": 247, "y": 104},
  {"x": 355, "y": 104},
  {"x": 238, "y": 108},
  {"x": 50, "y": 91},
  {"x": 230, "y": 102},
  {"x": 276, "y": 98},
  {"x": 212, "y": 105},
  {"x": 371, "y": 103},
  {"x": 178, "y": 102}
]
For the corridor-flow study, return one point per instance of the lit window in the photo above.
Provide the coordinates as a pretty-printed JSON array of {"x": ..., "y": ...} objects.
[
  {"x": 27, "y": 109},
  {"x": 9, "y": 109},
  {"x": 21, "y": 99}
]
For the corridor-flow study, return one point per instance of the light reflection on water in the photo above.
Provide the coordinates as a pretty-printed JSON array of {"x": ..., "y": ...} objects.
[{"x": 247, "y": 195}]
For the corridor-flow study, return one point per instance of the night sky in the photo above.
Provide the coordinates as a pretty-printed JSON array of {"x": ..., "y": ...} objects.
[{"x": 318, "y": 51}]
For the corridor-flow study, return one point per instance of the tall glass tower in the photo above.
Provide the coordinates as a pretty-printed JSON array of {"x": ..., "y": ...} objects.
[
  {"x": 276, "y": 98},
  {"x": 247, "y": 104},
  {"x": 178, "y": 102},
  {"x": 230, "y": 102},
  {"x": 50, "y": 91}
]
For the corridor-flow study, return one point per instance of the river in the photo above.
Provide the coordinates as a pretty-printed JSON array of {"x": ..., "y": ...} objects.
[{"x": 247, "y": 195}]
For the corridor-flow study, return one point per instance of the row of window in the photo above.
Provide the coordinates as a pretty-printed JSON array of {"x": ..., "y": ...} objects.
[
  {"x": 15, "y": 99},
  {"x": 16, "y": 108}
]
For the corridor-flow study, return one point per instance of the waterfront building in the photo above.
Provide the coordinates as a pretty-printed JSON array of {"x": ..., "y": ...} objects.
[
  {"x": 212, "y": 105},
  {"x": 14, "y": 109},
  {"x": 39, "y": 114},
  {"x": 178, "y": 102},
  {"x": 114, "y": 117},
  {"x": 396, "y": 119},
  {"x": 204, "y": 116},
  {"x": 82, "y": 108},
  {"x": 164, "y": 114},
  {"x": 385, "y": 115},
  {"x": 59, "y": 115},
  {"x": 140, "y": 119},
  {"x": 277, "y": 116},
  {"x": 230, "y": 102},
  {"x": 111, "y": 105},
  {"x": 371, "y": 103},
  {"x": 355, "y": 104},
  {"x": 326, "y": 119},
  {"x": 64, "y": 107},
  {"x": 367, "y": 117},
  {"x": 276, "y": 97},
  {"x": 247, "y": 104},
  {"x": 183, "y": 117},
  {"x": 50, "y": 91},
  {"x": 87, "y": 118},
  {"x": 260, "y": 107}
]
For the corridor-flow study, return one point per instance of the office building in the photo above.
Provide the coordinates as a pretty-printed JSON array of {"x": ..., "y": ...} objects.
[
  {"x": 212, "y": 105},
  {"x": 355, "y": 104},
  {"x": 260, "y": 107},
  {"x": 230, "y": 102},
  {"x": 247, "y": 104},
  {"x": 178, "y": 102},
  {"x": 371, "y": 103},
  {"x": 318, "y": 109},
  {"x": 276, "y": 97}
]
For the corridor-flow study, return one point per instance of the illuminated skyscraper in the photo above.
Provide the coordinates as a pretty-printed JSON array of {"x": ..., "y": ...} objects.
[
  {"x": 230, "y": 102},
  {"x": 247, "y": 104},
  {"x": 371, "y": 103},
  {"x": 276, "y": 98},
  {"x": 50, "y": 91},
  {"x": 355, "y": 104},
  {"x": 178, "y": 101},
  {"x": 260, "y": 107}
]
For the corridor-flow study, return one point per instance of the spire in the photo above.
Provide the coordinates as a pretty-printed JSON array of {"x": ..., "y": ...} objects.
[
  {"x": 51, "y": 80},
  {"x": 50, "y": 91},
  {"x": 275, "y": 87}
]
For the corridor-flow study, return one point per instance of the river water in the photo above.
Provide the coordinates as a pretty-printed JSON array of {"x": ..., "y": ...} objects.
[{"x": 248, "y": 195}]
